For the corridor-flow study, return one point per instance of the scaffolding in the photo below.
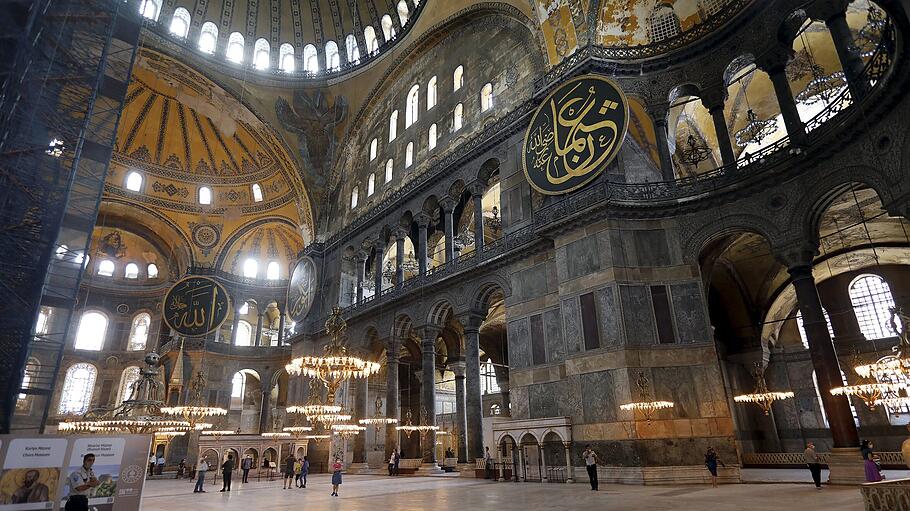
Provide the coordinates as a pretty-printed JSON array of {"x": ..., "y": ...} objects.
[{"x": 60, "y": 104}]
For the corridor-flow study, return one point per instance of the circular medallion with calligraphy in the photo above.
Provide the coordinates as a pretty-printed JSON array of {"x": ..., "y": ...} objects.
[
  {"x": 574, "y": 134},
  {"x": 196, "y": 306},
  {"x": 302, "y": 289}
]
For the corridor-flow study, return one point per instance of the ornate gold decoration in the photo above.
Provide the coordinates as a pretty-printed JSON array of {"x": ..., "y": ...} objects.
[
  {"x": 196, "y": 306},
  {"x": 302, "y": 289}
]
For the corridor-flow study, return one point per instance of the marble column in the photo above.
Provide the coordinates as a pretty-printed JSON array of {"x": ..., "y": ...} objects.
[
  {"x": 543, "y": 463},
  {"x": 360, "y": 412},
  {"x": 264, "y": 415},
  {"x": 713, "y": 100},
  {"x": 378, "y": 254},
  {"x": 391, "y": 398},
  {"x": 570, "y": 470},
  {"x": 400, "y": 235},
  {"x": 461, "y": 424},
  {"x": 448, "y": 209},
  {"x": 234, "y": 324},
  {"x": 258, "y": 328},
  {"x": 473, "y": 398},
  {"x": 428, "y": 388},
  {"x": 851, "y": 63},
  {"x": 281, "y": 325},
  {"x": 423, "y": 221},
  {"x": 360, "y": 260},
  {"x": 775, "y": 64},
  {"x": 659, "y": 117},
  {"x": 477, "y": 190}
]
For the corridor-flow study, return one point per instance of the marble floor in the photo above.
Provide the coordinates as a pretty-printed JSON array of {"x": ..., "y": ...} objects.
[{"x": 370, "y": 493}]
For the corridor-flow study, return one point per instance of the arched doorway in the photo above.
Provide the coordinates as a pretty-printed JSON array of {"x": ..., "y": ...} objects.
[{"x": 532, "y": 462}]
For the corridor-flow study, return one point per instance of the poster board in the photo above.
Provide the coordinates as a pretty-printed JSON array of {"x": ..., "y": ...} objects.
[{"x": 36, "y": 470}]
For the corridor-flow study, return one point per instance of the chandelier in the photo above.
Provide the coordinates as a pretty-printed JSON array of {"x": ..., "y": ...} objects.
[
  {"x": 408, "y": 427},
  {"x": 312, "y": 410},
  {"x": 464, "y": 239},
  {"x": 388, "y": 272},
  {"x": 871, "y": 34},
  {"x": 755, "y": 130},
  {"x": 695, "y": 152},
  {"x": 194, "y": 413},
  {"x": 494, "y": 222},
  {"x": 368, "y": 283},
  {"x": 297, "y": 429},
  {"x": 347, "y": 430},
  {"x": 410, "y": 264},
  {"x": 870, "y": 391},
  {"x": 217, "y": 433},
  {"x": 648, "y": 405},
  {"x": 900, "y": 362},
  {"x": 762, "y": 396},
  {"x": 140, "y": 414},
  {"x": 378, "y": 420},
  {"x": 822, "y": 87},
  {"x": 276, "y": 434}
]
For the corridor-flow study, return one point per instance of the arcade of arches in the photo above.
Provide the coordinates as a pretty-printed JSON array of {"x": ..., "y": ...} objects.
[{"x": 757, "y": 215}]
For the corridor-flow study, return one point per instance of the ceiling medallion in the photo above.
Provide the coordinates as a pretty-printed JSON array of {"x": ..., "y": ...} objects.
[
  {"x": 205, "y": 236},
  {"x": 755, "y": 130}
]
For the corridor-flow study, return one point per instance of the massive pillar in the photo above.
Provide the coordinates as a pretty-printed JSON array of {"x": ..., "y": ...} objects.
[
  {"x": 448, "y": 209},
  {"x": 461, "y": 424},
  {"x": 428, "y": 388},
  {"x": 391, "y": 396},
  {"x": 473, "y": 402},
  {"x": 360, "y": 412}
]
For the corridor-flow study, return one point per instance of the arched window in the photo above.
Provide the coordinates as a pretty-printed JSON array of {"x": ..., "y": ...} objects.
[
  {"x": 393, "y": 125},
  {"x": 244, "y": 333},
  {"x": 257, "y": 192},
  {"x": 898, "y": 415},
  {"x": 244, "y": 309},
  {"x": 374, "y": 145},
  {"x": 488, "y": 383},
  {"x": 205, "y": 195},
  {"x": 134, "y": 181},
  {"x": 238, "y": 390},
  {"x": 250, "y": 268},
  {"x": 208, "y": 37},
  {"x": 152, "y": 270},
  {"x": 458, "y": 78},
  {"x": 139, "y": 332},
  {"x": 91, "y": 331},
  {"x": 802, "y": 329},
  {"x": 409, "y": 155},
  {"x": 131, "y": 271},
  {"x": 261, "y": 52},
  {"x": 106, "y": 268},
  {"x": 486, "y": 97},
  {"x": 871, "y": 299},
  {"x": 150, "y": 8},
  {"x": 129, "y": 377},
  {"x": 354, "y": 197},
  {"x": 310, "y": 59},
  {"x": 411, "y": 106},
  {"x": 458, "y": 119},
  {"x": 332, "y": 59},
  {"x": 41, "y": 326},
  {"x": 403, "y": 12},
  {"x": 387, "y": 29},
  {"x": 371, "y": 185},
  {"x": 712, "y": 6},
  {"x": 78, "y": 387},
  {"x": 431, "y": 93},
  {"x": 272, "y": 271},
  {"x": 350, "y": 44},
  {"x": 286, "y": 57},
  {"x": 821, "y": 405},
  {"x": 431, "y": 137},
  {"x": 369, "y": 38},
  {"x": 180, "y": 23},
  {"x": 388, "y": 170},
  {"x": 234, "y": 51},
  {"x": 662, "y": 23}
]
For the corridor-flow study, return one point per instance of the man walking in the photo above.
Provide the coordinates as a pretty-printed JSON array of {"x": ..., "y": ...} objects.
[
  {"x": 201, "y": 469},
  {"x": 591, "y": 465},
  {"x": 814, "y": 466},
  {"x": 246, "y": 465},
  {"x": 226, "y": 468},
  {"x": 289, "y": 471}
]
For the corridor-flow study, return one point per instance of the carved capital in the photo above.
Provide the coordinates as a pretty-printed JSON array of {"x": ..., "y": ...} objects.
[
  {"x": 361, "y": 256},
  {"x": 423, "y": 220},
  {"x": 775, "y": 60},
  {"x": 447, "y": 204},
  {"x": 796, "y": 253},
  {"x": 458, "y": 367},
  {"x": 471, "y": 321},
  {"x": 714, "y": 96},
  {"x": 476, "y": 188},
  {"x": 658, "y": 113},
  {"x": 400, "y": 233}
]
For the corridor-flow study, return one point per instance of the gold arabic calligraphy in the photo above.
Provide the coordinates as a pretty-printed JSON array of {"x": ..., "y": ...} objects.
[{"x": 195, "y": 306}]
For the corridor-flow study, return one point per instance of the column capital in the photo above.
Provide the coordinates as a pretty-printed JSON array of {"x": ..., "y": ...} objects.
[
  {"x": 427, "y": 334},
  {"x": 458, "y": 367},
  {"x": 423, "y": 220},
  {"x": 476, "y": 188},
  {"x": 400, "y": 233},
  {"x": 796, "y": 254},
  {"x": 361, "y": 256},
  {"x": 447, "y": 204},
  {"x": 471, "y": 321},
  {"x": 775, "y": 60},
  {"x": 826, "y": 9},
  {"x": 713, "y": 97},
  {"x": 378, "y": 242},
  {"x": 658, "y": 113}
]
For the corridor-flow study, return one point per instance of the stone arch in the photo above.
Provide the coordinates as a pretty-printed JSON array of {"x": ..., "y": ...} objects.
[
  {"x": 709, "y": 230},
  {"x": 487, "y": 289},
  {"x": 487, "y": 169},
  {"x": 790, "y": 26},
  {"x": 402, "y": 327},
  {"x": 439, "y": 311},
  {"x": 684, "y": 89},
  {"x": 736, "y": 65}
]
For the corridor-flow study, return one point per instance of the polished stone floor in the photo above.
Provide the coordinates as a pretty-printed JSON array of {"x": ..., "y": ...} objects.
[{"x": 370, "y": 493}]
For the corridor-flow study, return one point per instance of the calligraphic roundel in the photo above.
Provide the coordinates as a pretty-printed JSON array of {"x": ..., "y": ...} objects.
[
  {"x": 302, "y": 289},
  {"x": 196, "y": 306},
  {"x": 574, "y": 134}
]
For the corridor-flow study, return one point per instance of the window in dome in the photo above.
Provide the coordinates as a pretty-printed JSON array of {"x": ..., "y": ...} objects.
[
  {"x": 286, "y": 57},
  {"x": 139, "y": 332},
  {"x": 458, "y": 78},
  {"x": 152, "y": 270},
  {"x": 393, "y": 125},
  {"x": 91, "y": 331},
  {"x": 310, "y": 59},
  {"x": 150, "y": 9},
  {"x": 354, "y": 197},
  {"x": 411, "y": 107},
  {"x": 409, "y": 155},
  {"x": 332, "y": 59},
  {"x": 235, "y": 48},
  {"x": 403, "y": 12},
  {"x": 871, "y": 298},
  {"x": 374, "y": 145},
  {"x": 431, "y": 93},
  {"x": 458, "y": 117},
  {"x": 486, "y": 97},
  {"x": 388, "y": 170},
  {"x": 369, "y": 37},
  {"x": 131, "y": 271},
  {"x": 250, "y": 268},
  {"x": 180, "y": 23},
  {"x": 350, "y": 44},
  {"x": 134, "y": 181},
  {"x": 43, "y": 323},
  {"x": 387, "y": 29},
  {"x": 662, "y": 23},
  {"x": 244, "y": 335},
  {"x": 272, "y": 271},
  {"x": 371, "y": 185},
  {"x": 257, "y": 192},
  {"x": 106, "y": 268},
  {"x": 710, "y": 7},
  {"x": 78, "y": 387},
  {"x": 208, "y": 37},
  {"x": 431, "y": 137},
  {"x": 205, "y": 195},
  {"x": 261, "y": 52}
]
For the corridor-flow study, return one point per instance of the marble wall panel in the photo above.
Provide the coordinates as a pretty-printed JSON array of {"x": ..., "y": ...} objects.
[
  {"x": 676, "y": 384},
  {"x": 519, "y": 337},
  {"x": 599, "y": 400},
  {"x": 531, "y": 283},
  {"x": 571, "y": 317},
  {"x": 556, "y": 347},
  {"x": 582, "y": 257},
  {"x": 638, "y": 319},
  {"x": 518, "y": 396},
  {"x": 609, "y": 315},
  {"x": 651, "y": 248},
  {"x": 542, "y": 400},
  {"x": 689, "y": 312}
]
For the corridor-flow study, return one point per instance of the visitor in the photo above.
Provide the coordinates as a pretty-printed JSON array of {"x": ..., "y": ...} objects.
[
  {"x": 152, "y": 460},
  {"x": 304, "y": 470},
  {"x": 289, "y": 471},
  {"x": 392, "y": 463},
  {"x": 711, "y": 461},
  {"x": 160, "y": 463},
  {"x": 181, "y": 468},
  {"x": 397, "y": 462},
  {"x": 201, "y": 469},
  {"x": 815, "y": 467},
  {"x": 488, "y": 464},
  {"x": 298, "y": 469},
  {"x": 336, "y": 476},
  {"x": 873, "y": 474},
  {"x": 82, "y": 483},
  {"x": 245, "y": 466},
  {"x": 591, "y": 466},
  {"x": 226, "y": 469}
]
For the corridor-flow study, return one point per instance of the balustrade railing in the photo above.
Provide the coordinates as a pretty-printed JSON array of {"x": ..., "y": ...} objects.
[
  {"x": 888, "y": 458},
  {"x": 886, "y": 495}
]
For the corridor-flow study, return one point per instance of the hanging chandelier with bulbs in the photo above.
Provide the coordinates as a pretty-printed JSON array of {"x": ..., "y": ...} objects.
[
  {"x": 755, "y": 129},
  {"x": 195, "y": 412},
  {"x": 761, "y": 396},
  {"x": 648, "y": 405}
]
